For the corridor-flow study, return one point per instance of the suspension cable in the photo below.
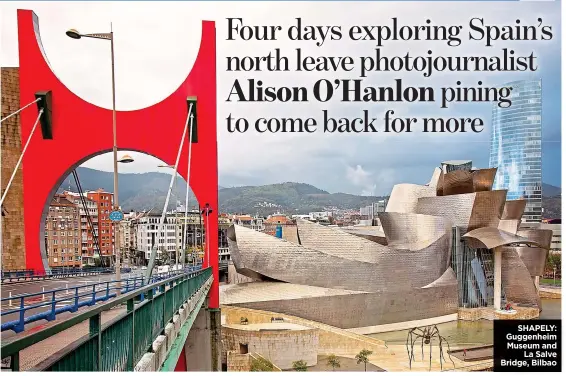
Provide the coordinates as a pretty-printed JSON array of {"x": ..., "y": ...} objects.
[
  {"x": 164, "y": 212},
  {"x": 185, "y": 240},
  {"x": 21, "y": 158},
  {"x": 18, "y": 111},
  {"x": 85, "y": 207}
]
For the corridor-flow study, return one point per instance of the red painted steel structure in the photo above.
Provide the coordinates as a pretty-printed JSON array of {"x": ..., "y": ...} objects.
[
  {"x": 181, "y": 365},
  {"x": 155, "y": 130}
]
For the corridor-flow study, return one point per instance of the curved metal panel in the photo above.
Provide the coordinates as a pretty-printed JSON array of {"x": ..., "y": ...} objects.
[
  {"x": 440, "y": 184},
  {"x": 514, "y": 209},
  {"x": 509, "y": 225},
  {"x": 413, "y": 231},
  {"x": 404, "y": 197},
  {"x": 336, "y": 242},
  {"x": 372, "y": 233},
  {"x": 447, "y": 279},
  {"x": 435, "y": 179},
  {"x": 483, "y": 179},
  {"x": 342, "y": 308},
  {"x": 457, "y": 182},
  {"x": 487, "y": 209},
  {"x": 541, "y": 237},
  {"x": 490, "y": 238},
  {"x": 468, "y": 211},
  {"x": 516, "y": 280},
  {"x": 534, "y": 259},
  {"x": 274, "y": 258}
]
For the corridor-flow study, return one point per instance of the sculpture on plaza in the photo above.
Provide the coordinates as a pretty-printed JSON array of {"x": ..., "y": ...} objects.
[{"x": 427, "y": 335}]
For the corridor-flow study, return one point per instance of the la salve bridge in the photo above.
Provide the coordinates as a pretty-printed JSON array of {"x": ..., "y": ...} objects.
[{"x": 101, "y": 321}]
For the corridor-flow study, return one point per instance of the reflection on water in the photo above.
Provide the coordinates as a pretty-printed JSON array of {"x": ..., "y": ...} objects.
[
  {"x": 460, "y": 333},
  {"x": 551, "y": 309}
]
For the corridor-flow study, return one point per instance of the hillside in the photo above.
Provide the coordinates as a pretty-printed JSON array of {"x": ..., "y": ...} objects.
[
  {"x": 550, "y": 190},
  {"x": 551, "y": 201},
  {"x": 136, "y": 191},
  {"x": 289, "y": 198},
  {"x": 148, "y": 190}
]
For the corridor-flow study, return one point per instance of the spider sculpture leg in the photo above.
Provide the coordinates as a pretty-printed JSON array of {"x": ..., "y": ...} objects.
[
  {"x": 413, "y": 345},
  {"x": 409, "y": 338},
  {"x": 449, "y": 356},
  {"x": 419, "y": 334},
  {"x": 436, "y": 333},
  {"x": 422, "y": 348},
  {"x": 430, "y": 355}
]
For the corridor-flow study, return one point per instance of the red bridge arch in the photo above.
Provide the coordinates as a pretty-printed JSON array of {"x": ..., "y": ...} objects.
[{"x": 155, "y": 130}]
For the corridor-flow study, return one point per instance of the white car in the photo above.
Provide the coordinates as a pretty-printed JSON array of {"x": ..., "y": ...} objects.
[{"x": 144, "y": 268}]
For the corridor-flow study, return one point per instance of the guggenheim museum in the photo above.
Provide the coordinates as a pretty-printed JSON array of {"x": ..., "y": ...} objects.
[{"x": 449, "y": 246}]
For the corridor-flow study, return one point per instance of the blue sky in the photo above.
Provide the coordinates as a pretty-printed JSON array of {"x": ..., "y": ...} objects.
[{"x": 360, "y": 163}]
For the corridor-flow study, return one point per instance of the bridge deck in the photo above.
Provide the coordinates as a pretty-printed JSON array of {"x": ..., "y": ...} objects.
[{"x": 40, "y": 351}]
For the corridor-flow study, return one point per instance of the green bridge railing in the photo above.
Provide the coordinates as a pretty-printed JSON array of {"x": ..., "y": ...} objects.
[{"x": 120, "y": 343}]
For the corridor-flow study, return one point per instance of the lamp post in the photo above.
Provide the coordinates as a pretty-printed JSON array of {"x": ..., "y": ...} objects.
[{"x": 74, "y": 34}]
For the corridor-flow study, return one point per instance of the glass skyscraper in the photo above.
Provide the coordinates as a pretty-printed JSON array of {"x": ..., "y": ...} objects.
[{"x": 516, "y": 146}]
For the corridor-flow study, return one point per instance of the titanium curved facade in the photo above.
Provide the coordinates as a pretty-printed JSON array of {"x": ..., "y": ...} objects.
[
  {"x": 434, "y": 252},
  {"x": 516, "y": 146}
]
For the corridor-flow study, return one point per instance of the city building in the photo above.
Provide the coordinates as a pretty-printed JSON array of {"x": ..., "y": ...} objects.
[
  {"x": 165, "y": 237},
  {"x": 369, "y": 214},
  {"x": 128, "y": 239},
  {"x": 62, "y": 233},
  {"x": 516, "y": 146},
  {"x": 90, "y": 246},
  {"x": 448, "y": 249},
  {"x": 104, "y": 202},
  {"x": 255, "y": 223},
  {"x": 323, "y": 216},
  {"x": 274, "y": 221}
]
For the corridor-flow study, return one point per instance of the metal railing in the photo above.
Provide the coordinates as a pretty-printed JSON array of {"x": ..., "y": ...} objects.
[
  {"x": 30, "y": 275},
  {"x": 119, "y": 344},
  {"x": 68, "y": 299}
]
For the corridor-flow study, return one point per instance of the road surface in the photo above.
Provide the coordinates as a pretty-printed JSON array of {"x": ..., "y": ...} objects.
[{"x": 14, "y": 289}]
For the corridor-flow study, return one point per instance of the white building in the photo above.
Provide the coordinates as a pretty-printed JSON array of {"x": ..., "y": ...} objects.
[
  {"x": 166, "y": 237},
  {"x": 301, "y": 216},
  {"x": 255, "y": 223},
  {"x": 320, "y": 216}
]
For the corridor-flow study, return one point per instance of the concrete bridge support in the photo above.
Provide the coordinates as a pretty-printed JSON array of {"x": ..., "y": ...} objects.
[{"x": 205, "y": 334}]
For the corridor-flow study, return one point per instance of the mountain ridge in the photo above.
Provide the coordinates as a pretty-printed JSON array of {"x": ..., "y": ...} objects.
[{"x": 144, "y": 191}]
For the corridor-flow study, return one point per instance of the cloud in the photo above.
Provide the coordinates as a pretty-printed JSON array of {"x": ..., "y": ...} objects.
[{"x": 156, "y": 45}]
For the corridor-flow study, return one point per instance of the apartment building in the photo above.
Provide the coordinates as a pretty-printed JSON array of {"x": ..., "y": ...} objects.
[
  {"x": 166, "y": 237},
  {"x": 63, "y": 233},
  {"x": 104, "y": 203},
  {"x": 255, "y": 223},
  {"x": 88, "y": 226}
]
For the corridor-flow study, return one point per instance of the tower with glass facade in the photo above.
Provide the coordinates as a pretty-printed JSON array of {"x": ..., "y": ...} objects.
[{"x": 516, "y": 146}]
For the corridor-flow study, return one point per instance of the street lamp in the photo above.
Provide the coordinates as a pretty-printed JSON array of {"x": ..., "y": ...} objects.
[{"x": 74, "y": 34}]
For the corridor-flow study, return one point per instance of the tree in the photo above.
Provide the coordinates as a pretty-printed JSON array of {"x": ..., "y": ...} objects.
[
  {"x": 333, "y": 362},
  {"x": 553, "y": 261},
  {"x": 300, "y": 366},
  {"x": 362, "y": 357}
]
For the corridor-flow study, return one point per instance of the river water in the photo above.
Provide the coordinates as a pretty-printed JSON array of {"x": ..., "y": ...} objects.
[{"x": 465, "y": 333}]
